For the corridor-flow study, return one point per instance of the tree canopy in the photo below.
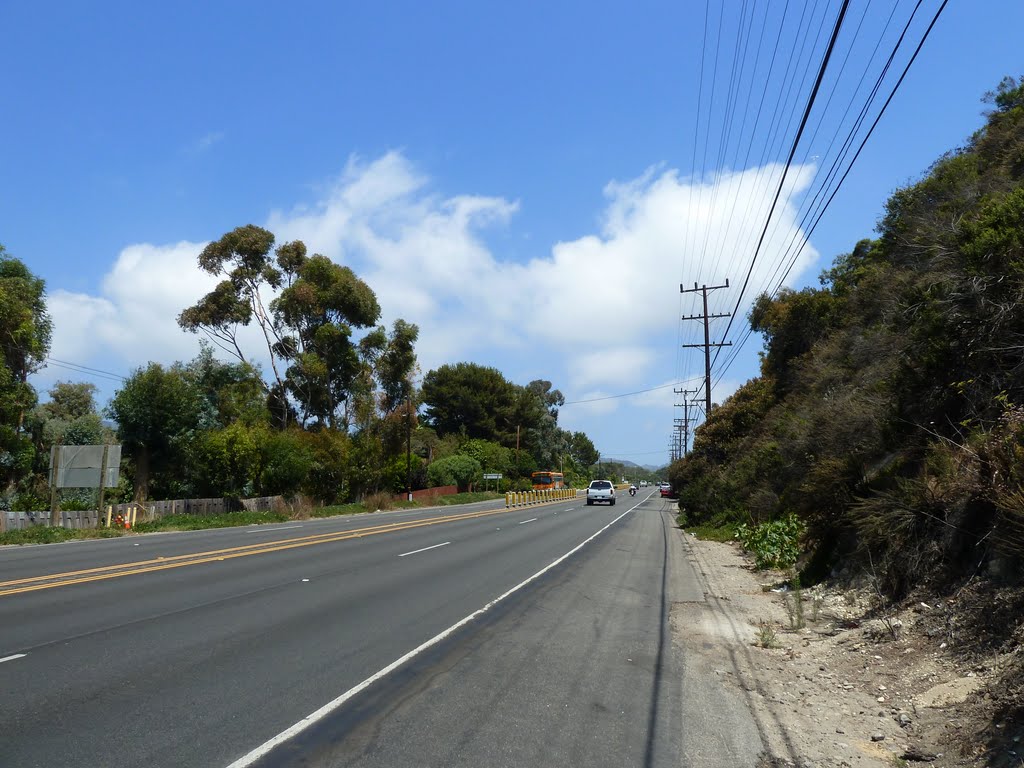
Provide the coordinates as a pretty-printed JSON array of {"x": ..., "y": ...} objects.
[{"x": 25, "y": 330}]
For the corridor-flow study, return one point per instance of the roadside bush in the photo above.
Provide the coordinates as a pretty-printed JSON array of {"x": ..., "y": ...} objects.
[
  {"x": 225, "y": 460},
  {"x": 775, "y": 544},
  {"x": 457, "y": 470},
  {"x": 378, "y": 502},
  {"x": 78, "y": 499},
  {"x": 329, "y": 450},
  {"x": 286, "y": 462},
  {"x": 394, "y": 472}
]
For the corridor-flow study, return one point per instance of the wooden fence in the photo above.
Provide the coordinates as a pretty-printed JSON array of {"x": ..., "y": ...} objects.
[
  {"x": 16, "y": 521},
  {"x": 144, "y": 512}
]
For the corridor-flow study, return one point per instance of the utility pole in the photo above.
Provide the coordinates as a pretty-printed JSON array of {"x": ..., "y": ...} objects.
[
  {"x": 685, "y": 421},
  {"x": 707, "y": 337},
  {"x": 408, "y": 444}
]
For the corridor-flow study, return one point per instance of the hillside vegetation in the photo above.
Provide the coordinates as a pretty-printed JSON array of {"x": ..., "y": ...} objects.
[{"x": 889, "y": 414}]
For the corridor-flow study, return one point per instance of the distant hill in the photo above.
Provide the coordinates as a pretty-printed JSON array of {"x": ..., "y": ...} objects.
[{"x": 628, "y": 463}]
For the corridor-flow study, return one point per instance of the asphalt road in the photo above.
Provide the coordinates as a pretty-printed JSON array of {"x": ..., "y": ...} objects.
[{"x": 465, "y": 636}]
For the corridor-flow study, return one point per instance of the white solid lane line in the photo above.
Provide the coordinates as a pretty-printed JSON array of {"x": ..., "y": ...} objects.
[
  {"x": 524, "y": 522},
  {"x": 416, "y": 551},
  {"x": 326, "y": 709},
  {"x": 265, "y": 529},
  {"x": 12, "y": 658}
]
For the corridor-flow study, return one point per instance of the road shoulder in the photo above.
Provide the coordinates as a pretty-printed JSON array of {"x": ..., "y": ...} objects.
[{"x": 804, "y": 707}]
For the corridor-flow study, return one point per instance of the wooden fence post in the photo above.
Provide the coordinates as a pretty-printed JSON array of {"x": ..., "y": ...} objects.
[
  {"x": 103, "y": 484},
  {"x": 54, "y": 499}
]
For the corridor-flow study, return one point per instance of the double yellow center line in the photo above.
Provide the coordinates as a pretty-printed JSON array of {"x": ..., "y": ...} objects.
[{"x": 51, "y": 580}]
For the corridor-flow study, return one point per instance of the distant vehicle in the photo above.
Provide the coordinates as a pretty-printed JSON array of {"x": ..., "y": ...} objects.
[
  {"x": 545, "y": 481},
  {"x": 643, "y": 483},
  {"x": 601, "y": 490},
  {"x": 666, "y": 490}
]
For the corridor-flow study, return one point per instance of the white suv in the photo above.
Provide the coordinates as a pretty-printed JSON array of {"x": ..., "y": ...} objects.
[{"x": 601, "y": 490}]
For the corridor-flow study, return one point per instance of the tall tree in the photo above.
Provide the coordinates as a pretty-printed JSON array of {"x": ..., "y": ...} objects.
[
  {"x": 242, "y": 257},
  {"x": 471, "y": 400},
  {"x": 70, "y": 400},
  {"x": 540, "y": 413},
  {"x": 68, "y": 418},
  {"x": 231, "y": 391},
  {"x": 321, "y": 309},
  {"x": 582, "y": 450},
  {"x": 311, "y": 328},
  {"x": 25, "y": 329},
  {"x": 157, "y": 410}
]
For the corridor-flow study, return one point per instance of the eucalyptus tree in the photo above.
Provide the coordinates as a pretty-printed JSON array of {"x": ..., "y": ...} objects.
[
  {"x": 25, "y": 330},
  {"x": 319, "y": 328},
  {"x": 317, "y": 315}
]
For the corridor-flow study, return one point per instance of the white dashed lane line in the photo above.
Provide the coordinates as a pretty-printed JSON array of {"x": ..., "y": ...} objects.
[
  {"x": 12, "y": 657},
  {"x": 417, "y": 551},
  {"x": 524, "y": 522}
]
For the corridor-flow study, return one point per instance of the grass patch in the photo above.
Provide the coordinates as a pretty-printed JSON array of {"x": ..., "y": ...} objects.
[
  {"x": 199, "y": 522},
  {"x": 337, "y": 509},
  {"x": 38, "y": 534},
  {"x": 464, "y": 498}
]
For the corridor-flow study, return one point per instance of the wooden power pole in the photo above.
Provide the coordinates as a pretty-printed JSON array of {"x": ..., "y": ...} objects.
[{"x": 707, "y": 337}]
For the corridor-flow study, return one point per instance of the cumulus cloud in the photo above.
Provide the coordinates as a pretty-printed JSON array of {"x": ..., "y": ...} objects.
[
  {"x": 601, "y": 307},
  {"x": 134, "y": 320}
]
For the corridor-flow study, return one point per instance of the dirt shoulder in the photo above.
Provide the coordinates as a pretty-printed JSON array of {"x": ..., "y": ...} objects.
[{"x": 852, "y": 688}]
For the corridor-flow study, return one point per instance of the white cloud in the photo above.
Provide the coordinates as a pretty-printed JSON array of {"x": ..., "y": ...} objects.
[
  {"x": 134, "y": 321},
  {"x": 609, "y": 364},
  {"x": 609, "y": 296}
]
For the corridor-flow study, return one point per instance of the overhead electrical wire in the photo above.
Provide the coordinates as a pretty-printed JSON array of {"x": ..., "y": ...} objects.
[
  {"x": 716, "y": 244},
  {"x": 821, "y": 212},
  {"x": 789, "y": 160}
]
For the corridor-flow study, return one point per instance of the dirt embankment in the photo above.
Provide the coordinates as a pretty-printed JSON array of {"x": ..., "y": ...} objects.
[{"x": 835, "y": 679}]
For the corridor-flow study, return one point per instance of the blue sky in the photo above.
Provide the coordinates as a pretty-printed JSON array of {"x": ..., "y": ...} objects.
[{"x": 517, "y": 179}]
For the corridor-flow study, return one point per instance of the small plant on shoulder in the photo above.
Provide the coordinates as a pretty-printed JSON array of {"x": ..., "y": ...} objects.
[
  {"x": 766, "y": 635},
  {"x": 816, "y": 605},
  {"x": 794, "y": 602},
  {"x": 893, "y": 626},
  {"x": 775, "y": 544}
]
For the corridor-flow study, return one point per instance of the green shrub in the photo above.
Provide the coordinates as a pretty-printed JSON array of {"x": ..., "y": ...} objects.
[
  {"x": 329, "y": 449},
  {"x": 775, "y": 544},
  {"x": 286, "y": 463},
  {"x": 457, "y": 470},
  {"x": 37, "y": 534}
]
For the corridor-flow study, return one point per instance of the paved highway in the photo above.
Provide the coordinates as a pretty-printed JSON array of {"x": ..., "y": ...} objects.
[{"x": 465, "y": 636}]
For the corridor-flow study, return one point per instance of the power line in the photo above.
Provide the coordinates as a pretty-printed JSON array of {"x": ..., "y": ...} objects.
[
  {"x": 821, "y": 212},
  {"x": 85, "y": 369},
  {"x": 789, "y": 160},
  {"x": 628, "y": 394}
]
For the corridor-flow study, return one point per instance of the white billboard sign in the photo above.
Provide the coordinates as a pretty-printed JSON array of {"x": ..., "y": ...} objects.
[{"x": 80, "y": 466}]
